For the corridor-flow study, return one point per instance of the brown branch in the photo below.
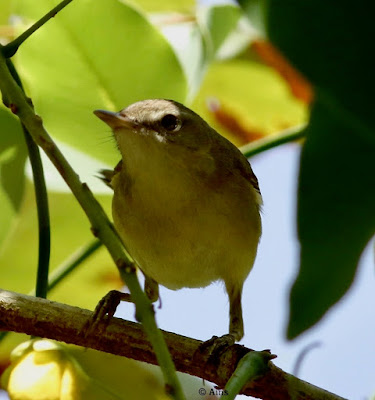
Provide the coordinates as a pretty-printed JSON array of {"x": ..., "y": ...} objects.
[{"x": 44, "y": 318}]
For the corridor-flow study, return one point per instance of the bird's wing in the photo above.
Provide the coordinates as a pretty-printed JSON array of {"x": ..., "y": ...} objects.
[
  {"x": 106, "y": 175},
  {"x": 245, "y": 169},
  {"x": 230, "y": 158}
]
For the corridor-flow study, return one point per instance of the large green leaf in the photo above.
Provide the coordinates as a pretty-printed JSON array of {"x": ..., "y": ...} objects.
[
  {"x": 94, "y": 54},
  {"x": 336, "y": 215},
  {"x": 4, "y": 12},
  {"x": 12, "y": 165},
  {"x": 329, "y": 43},
  {"x": 183, "y": 6}
]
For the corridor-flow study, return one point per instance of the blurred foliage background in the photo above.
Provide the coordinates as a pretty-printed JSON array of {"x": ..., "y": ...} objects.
[{"x": 219, "y": 60}]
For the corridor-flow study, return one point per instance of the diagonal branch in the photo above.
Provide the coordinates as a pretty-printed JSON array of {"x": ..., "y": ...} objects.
[
  {"x": 100, "y": 225},
  {"x": 11, "y": 48},
  {"x": 40, "y": 317}
]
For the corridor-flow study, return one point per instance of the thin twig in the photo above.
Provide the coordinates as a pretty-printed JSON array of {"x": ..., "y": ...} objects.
[
  {"x": 11, "y": 48},
  {"x": 260, "y": 145},
  {"x": 100, "y": 225},
  {"x": 75, "y": 260}
]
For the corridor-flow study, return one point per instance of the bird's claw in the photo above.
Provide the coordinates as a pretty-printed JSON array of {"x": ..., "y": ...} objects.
[
  {"x": 216, "y": 346},
  {"x": 104, "y": 312}
]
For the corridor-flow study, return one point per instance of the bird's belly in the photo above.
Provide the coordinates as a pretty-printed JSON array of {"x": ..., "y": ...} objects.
[
  {"x": 188, "y": 246},
  {"x": 181, "y": 238},
  {"x": 175, "y": 251}
]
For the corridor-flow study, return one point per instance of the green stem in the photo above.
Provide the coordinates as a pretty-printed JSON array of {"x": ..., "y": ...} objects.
[
  {"x": 258, "y": 146},
  {"x": 100, "y": 225},
  {"x": 72, "y": 263},
  {"x": 11, "y": 48},
  {"x": 251, "y": 366},
  {"x": 64, "y": 269},
  {"x": 41, "y": 199}
]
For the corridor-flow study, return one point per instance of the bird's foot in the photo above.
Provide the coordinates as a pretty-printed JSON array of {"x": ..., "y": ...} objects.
[
  {"x": 213, "y": 348},
  {"x": 104, "y": 312}
]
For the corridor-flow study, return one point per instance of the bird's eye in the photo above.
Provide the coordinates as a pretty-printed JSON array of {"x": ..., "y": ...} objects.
[{"x": 170, "y": 122}]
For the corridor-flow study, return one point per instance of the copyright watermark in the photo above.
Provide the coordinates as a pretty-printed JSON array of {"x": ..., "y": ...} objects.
[{"x": 212, "y": 392}]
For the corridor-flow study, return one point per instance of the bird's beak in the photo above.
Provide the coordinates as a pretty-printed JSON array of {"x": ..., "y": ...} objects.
[{"x": 115, "y": 120}]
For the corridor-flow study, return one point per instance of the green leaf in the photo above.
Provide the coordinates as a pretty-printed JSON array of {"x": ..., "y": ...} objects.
[
  {"x": 183, "y": 6},
  {"x": 216, "y": 23},
  {"x": 5, "y": 11},
  {"x": 12, "y": 164},
  {"x": 94, "y": 54},
  {"x": 336, "y": 217},
  {"x": 329, "y": 43}
]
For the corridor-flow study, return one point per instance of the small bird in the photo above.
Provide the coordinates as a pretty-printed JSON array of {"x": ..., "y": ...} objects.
[{"x": 186, "y": 202}]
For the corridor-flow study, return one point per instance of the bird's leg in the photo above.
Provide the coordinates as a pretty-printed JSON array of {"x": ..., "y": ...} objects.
[
  {"x": 217, "y": 345},
  {"x": 235, "y": 312},
  {"x": 107, "y": 306}
]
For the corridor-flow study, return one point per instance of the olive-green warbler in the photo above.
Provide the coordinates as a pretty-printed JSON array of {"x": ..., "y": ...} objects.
[{"x": 186, "y": 202}]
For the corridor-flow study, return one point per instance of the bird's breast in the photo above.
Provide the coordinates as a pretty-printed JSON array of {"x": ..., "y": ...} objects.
[{"x": 179, "y": 232}]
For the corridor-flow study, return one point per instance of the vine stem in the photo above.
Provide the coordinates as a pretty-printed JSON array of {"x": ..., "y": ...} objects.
[
  {"x": 69, "y": 265},
  {"x": 41, "y": 199}
]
